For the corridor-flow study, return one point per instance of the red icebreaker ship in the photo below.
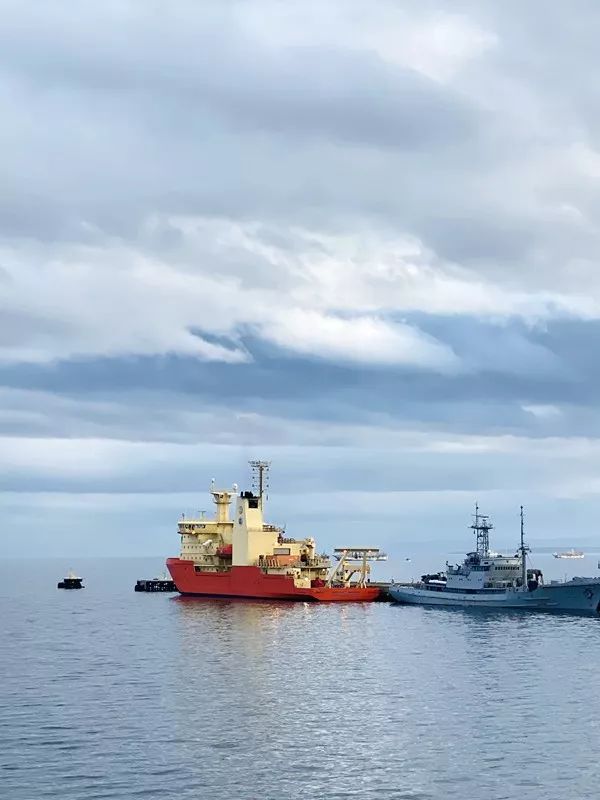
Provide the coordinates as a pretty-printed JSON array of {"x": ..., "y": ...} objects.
[{"x": 246, "y": 557}]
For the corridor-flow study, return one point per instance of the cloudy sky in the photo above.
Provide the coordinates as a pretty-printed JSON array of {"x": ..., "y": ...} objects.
[{"x": 358, "y": 238}]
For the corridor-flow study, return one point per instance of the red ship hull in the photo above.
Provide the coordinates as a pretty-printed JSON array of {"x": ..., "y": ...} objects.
[{"x": 253, "y": 582}]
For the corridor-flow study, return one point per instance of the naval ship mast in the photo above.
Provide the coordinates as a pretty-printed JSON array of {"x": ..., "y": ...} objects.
[
  {"x": 523, "y": 549},
  {"x": 482, "y": 527}
]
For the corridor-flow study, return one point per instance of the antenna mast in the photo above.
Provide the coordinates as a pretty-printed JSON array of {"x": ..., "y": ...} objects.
[
  {"x": 523, "y": 548},
  {"x": 482, "y": 527},
  {"x": 260, "y": 478}
]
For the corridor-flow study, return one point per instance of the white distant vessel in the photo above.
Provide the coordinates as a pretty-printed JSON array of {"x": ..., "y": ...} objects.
[{"x": 570, "y": 554}]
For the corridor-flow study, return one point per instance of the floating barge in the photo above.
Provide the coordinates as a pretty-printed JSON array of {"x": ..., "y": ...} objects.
[{"x": 155, "y": 585}]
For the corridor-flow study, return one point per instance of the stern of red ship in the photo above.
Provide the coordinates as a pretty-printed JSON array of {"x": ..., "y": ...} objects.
[
  {"x": 252, "y": 582},
  {"x": 344, "y": 594}
]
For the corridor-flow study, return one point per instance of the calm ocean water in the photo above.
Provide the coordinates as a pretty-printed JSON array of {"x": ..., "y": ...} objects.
[{"x": 110, "y": 694}]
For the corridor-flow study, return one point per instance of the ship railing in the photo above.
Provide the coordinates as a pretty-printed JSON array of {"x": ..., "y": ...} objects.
[
  {"x": 307, "y": 563},
  {"x": 315, "y": 563},
  {"x": 191, "y": 527},
  {"x": 276, "y": 562}
]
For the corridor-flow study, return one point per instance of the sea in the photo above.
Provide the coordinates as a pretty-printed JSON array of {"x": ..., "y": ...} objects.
[{"x": 107, "y": 693}]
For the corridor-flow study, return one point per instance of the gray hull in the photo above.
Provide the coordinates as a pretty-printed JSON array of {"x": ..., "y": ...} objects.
[{"x": 577, "y": 597}]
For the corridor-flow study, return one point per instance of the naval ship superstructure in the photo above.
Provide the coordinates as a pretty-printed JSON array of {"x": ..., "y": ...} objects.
[
  {"x": 490, "y": 580},
  {"x": 244, "y": 556}
]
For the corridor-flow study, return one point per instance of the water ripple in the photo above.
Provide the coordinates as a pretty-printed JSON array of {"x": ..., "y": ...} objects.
[{"x": 109, "y": 694}]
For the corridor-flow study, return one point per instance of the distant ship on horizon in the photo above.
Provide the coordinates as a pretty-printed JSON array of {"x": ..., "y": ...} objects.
[{"x": 570, "y": 554}]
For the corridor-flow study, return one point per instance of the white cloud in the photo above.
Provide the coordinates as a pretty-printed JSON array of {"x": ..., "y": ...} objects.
[
  {"x": 222, "y": 224},
  {"x": 366, "y": 340},
  {"x": 114, "y": 301},
  {"x": 371, "y": 270},
  {"x": 100, "y": 302},
  {"x": 437, "y": 44},
  {"x": 137, "y": 466},
  {"x": 336, "y": 297}
]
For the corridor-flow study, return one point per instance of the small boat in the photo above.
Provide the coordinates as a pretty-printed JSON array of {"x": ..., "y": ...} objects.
[
  {"x": 570, "y": 554},
  {"x": 72, "y": 581}
]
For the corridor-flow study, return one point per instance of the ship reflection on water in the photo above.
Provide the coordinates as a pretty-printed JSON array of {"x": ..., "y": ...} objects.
[{"x": 243, "y": 623}]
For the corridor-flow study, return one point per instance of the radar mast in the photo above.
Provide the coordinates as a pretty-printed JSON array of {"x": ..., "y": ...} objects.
[
  {"x": 260, "y": 478},
  {"x": 482, "y": 527},
  {"x": 524, "y": 550}
]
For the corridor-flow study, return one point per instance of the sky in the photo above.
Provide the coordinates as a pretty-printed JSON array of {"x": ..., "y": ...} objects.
[{"x": 358, "y": 239}]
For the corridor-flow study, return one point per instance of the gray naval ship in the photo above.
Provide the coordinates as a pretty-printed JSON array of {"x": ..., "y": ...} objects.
[{"x": 489, "y": 580}]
